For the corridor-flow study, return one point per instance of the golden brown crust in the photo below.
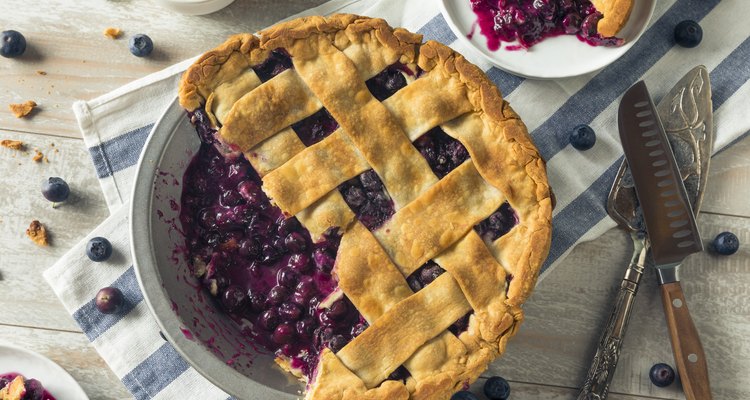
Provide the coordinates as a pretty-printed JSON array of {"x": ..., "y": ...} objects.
[
  {"x": 22, "y": 110},
  {"x": 37, "y": 233},
  {"x": 502, "y": 157},
  {"x": 616, "y": 14}
]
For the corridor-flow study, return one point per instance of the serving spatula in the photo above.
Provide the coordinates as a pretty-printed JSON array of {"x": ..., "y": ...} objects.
[{"x": 686, "y": 113}]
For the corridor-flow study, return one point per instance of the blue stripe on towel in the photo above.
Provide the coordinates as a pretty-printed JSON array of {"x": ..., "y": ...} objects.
[
  {"x": 507, "y": 82},
  {"x": 437, "y": 29},
  {"x": 580, "y": 215},
  {"x": 93, "y": 323},
  {"x": 610, "y": 83},
  {"x": 730, "y": 74},
  {"x": 119, "y": 153},
  {"x": 155, "y": 373}
]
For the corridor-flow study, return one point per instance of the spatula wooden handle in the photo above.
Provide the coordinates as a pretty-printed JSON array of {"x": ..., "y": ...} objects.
[{"x": 686, "y": 344}]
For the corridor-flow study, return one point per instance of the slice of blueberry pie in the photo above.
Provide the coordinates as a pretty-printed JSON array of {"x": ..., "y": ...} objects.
[
  {"x": 368, "y": 202},
  {"x": 528, "y": 22}
]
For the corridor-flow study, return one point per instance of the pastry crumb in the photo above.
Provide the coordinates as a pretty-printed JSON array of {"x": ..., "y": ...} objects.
[
  {"x": 40, "y": 72},
  {"x": 23, "y": 109},
  {"x": 38, "y": 156},
  {"x": 37, "y": 233},
  {"x": 12, "y": 144},
  {"x": 113, "y": 33}
]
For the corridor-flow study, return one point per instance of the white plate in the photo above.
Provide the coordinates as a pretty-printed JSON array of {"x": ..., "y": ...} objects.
[
  {"x": 33, "y": 365},
  {"x": 556, "y": 57}
]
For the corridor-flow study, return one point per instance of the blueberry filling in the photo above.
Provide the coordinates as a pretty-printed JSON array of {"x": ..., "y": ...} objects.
[
  {"x": 12, "y": 383},
  {"x": 442, "y": 152},
  {"x": 260, "y": 266},
  {"x": 424, "y": 275},
  {"x": 388, "y": 81},
  {"x": 366, "y": 196},
  {"x": 531, "y": 21},
  {"x": 316, "y": 127},
  {"x": 202, "y": 123},
  {"x": 278, "y": 62},
  {"x": 497, "y": 224}
]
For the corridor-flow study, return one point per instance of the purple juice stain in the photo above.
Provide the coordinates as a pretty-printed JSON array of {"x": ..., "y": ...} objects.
[{"x": 531, "y": 21}]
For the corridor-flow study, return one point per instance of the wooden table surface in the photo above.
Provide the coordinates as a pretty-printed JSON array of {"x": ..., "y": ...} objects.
[{"x": 547, "y": 360}]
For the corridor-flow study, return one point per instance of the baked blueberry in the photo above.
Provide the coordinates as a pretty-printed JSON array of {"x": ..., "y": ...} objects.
[
  {"x": 55, "y": 189},
  {"x": 109, "y": 300},
  {"x": 13, "y": 44},
  {"x": 582, "y": 137},
  {"x": 661, "y": 375},
  {"x": 464, "y": 395},
  {"x": 141, "y": 45},
  {"x": 98, "y": 249},
  {"x": 726, "y": 243},
  {"x": 497, "y": 388},
  {"x": 688, "y": 34}
]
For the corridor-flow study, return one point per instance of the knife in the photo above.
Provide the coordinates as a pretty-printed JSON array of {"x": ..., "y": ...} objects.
[
  {"x": 686, "y": 112},
  {"x": 670, "y": 223}
]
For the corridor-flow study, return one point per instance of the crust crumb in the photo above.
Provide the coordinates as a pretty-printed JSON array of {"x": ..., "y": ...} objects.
[
  {"x": 37, "y": 233},
  {"x": 12, "y": 144},
  {"x": 40, "y": 72},
  {"x": 23, "y": 109},
  {"x": 113, "y": 33},
  {"x": 38, "y": 156}
]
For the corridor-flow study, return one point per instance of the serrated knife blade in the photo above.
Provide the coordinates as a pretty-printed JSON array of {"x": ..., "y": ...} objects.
[{"x": 670, "y": 224}]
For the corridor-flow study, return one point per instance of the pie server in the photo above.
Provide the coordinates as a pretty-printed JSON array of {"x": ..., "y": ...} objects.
[
  {"x": 670, "y": 223},
  {"x": 686, "y": 112}
]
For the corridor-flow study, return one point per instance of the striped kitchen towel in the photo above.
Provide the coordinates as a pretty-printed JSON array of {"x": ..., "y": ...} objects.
[{"x": 116, "y": 125}]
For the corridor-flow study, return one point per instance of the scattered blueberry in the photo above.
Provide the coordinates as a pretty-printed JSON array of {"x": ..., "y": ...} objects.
[
  {"x": 661, "y": 375},
  {"x": 109, "y": 300},
  {"x": 55, "y": 190},
  {"x": 464, "y": 395},
  {"x": 688, "y": 34},
  {"x": 582, "y": 137},
  {"x": 14, "y": 44},
  {"x": 98, "y": 249},
  {"x": 726, "y": 243},
  {"x": 497, "y": 388},
  {"x": 141, "y": 45}
]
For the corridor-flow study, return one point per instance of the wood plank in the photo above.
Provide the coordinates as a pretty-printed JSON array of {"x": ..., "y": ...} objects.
[
  {"x": 74, "y": 353},
  {"x": 565, "y": 314},
  {"x": 26, "y": 298},
  {"x": 728, "y": 185},
  {"x": 65, "y": 40}
]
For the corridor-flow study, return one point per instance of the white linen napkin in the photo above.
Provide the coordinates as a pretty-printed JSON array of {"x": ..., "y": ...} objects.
[{"x": 116, "y": 125}]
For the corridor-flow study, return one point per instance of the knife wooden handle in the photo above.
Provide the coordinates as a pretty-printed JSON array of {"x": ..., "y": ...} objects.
[{"x": 686, "y": 344}]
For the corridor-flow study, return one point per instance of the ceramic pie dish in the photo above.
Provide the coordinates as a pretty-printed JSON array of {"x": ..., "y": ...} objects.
[{"x": 360, "y": 208}]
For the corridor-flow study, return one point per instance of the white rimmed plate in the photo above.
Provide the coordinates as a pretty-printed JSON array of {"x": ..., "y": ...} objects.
[
  {"x": 30, "y": 364},
  {"x": 556, "y": 57}
]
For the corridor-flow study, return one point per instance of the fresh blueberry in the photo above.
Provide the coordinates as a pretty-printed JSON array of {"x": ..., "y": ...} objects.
[
  {"x": 141, "y": 45},
  {"x": 98, "y": 249},
  {"x": 726, "y": 243},
  {"x": 284, "y": 333},
  {"x": 14, "y": 44},
  {"x": 55, "y": 189},
  {"x": 582, "y": 137},
  {"x": 497, "y": 388},
  {"x": 109, "y": 300},
  {"x": 688, "y": 34},
  {"x": 661, "y": 375},
  {"x": 464, "y": 395}
]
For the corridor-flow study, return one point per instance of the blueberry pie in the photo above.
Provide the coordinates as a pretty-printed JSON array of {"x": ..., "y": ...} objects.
[
  {"x": 367, "y": 202},
  {"x": 528, "y": 22}
]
